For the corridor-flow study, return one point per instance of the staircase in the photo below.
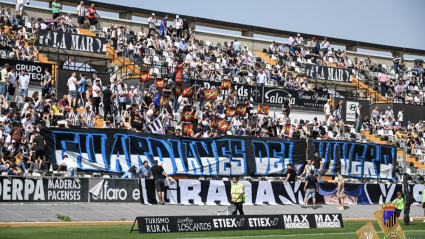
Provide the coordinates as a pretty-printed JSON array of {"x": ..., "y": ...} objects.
[
  {"x": 128, "y": 66},
  {"x": 374, "y": 95}
]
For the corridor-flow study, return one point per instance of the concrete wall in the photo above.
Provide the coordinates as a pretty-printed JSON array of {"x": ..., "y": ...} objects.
[{"x": 254, "y": 44}]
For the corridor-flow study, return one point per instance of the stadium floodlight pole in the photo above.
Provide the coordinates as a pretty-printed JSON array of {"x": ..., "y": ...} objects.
[{"x": 406, "y": 190}]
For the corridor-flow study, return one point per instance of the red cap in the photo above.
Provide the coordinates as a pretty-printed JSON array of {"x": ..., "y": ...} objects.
[
  {"x": 314, "y": 38},
  {"x": 326, "y": 38}
]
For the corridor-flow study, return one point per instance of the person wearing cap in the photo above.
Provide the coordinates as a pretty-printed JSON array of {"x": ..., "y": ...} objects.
[
  {"x": 178, "y": 25},
  {"x": 291, "y": 175},
  {"x": 152, "y": 21},
  {"x": 325, "y": 46},
  {"x": 368, "y": 61},
  {"x": 97, "y": 93},
  {"x": 396, "y": 61},
  {"x": 300, "y": 40},
  {"x": 89, "y": 118}
]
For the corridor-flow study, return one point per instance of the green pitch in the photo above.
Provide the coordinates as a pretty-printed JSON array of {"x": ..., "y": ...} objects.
[{"x": 417, "y": 230}]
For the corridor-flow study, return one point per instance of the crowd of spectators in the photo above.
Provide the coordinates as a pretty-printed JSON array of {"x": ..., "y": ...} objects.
[{"x": 136, "y": 108}]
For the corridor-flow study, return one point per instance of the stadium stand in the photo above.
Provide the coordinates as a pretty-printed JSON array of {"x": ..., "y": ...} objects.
[{"x": 184, "y": 56}]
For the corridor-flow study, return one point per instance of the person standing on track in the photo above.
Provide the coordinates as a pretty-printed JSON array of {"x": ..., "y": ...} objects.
[
  {"x": 159, "y": 176},
  {"x": 310, "y": 188},
  {"x": 238, "y": 195},
  {"x": 423, "y": 199},
  {"x": 340, "y": 191}
]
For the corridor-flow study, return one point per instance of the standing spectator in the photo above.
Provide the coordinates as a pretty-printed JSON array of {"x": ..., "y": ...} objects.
[
  {"x": 300, "y": 40},
  {"x": 339, "y": 110},
  {"x": 261, "y": 78},
  {"x": 238, "y": 196},
  {"x": 313, "y": 44},
  {"x": 46, "y": 85},
  {"x": 91, "y": 13},
  {"x": 107, "y": 97},
  {"x": 152, "y": 24},
  {"x": 163, "y": 26},
  {"x": 358, "y": 119},
  {"x": 4, "y": 72},
  {"x": 20, "y": 6},
  {"x": 56, "y": 9},
  {"x": 185, "y": 28},
  {"x": 368, "y": 61},
  {"x": 340, "y": 190},
  {"x": 318, "y": 165},
  {"x": 89, "y": 118},
  {"x": 237, "y": 46},
  {"x": 396, "y": 61},
  {"x": 325, "y": 46},
  {"x": 159, "y": 176},
  {"x": 327, "y": 110},
  {"x": 81, "y": 13},
  {"x": 123, "y": 94},
  {"x": 389, "y": 113},
  {"x": 96, "y": 95},
  {"x": 38, "y": 146},
  {"x": 11, "y": 81},
  {"x": 81, "y": 88},
  {"x": 311, "y": 186},
  {"x": 383, "y": 79},
  {"x": 131, "y": 173},
  {"x": 178, "y": 25},
  {"x": 23, "y": 83},
  {"x": 291, "y": 175},
  {"x": 400, "y": 116},
  {"x": 72, "y": 87},
  {"x": 71, "y": 166}
]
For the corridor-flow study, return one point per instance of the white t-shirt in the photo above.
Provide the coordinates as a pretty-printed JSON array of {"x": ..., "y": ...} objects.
[
  {"x": 262, "y": 77},
  {"x": 23, "y": 81},
  {"x": 95, "y": 94},
  {"x": 327, "y": 109},
  {"x": 69, "y": 163},
  {"x": 153, "y": 23},
  {"x": 400, "y": 116},
  {"x": 178, "y": 23},
  {"x": 81, "y": 10},
  {"x": 11, "y": 77},
  {"x": 71, "y": 84}
]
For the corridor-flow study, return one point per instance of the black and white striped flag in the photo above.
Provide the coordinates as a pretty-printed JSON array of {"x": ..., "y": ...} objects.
[{"x": 156, "y": 126}]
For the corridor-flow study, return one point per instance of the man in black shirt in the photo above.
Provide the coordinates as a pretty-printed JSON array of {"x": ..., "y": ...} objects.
[
  {"x": 271, "y": 130},
  {"x": 318, "y": 165},
  {"x": 106, "y": 99},
  {"x": 138, "y": 127},
  {"x": 312, "y": 187},
  {"x": 159, "y": 176},
  {"x": 296, "y": 134},
  {"x": 147, "y": 100},
  {"x": 287, "y": 106},
  {"x": 38, "y": 146},
  {"x": 291, "y": 175}
]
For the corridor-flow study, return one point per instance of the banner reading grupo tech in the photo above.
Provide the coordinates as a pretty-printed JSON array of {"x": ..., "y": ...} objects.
[
  {"x": 73, "y": 42},
  {"x": 35, "y": 70},
  {"x": 362, "y": 160},
  {"x": 117, "y": 150}
]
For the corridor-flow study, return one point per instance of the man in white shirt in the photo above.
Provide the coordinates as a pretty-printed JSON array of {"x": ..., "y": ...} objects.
[
  {"x": 152, "y": 24},
  {"x": 23, "y": 82},
  {"x": 291, "y": 40},
  {"x": 327, "y": 110},
  {"x": 178, "y": 25},
  {"x": 300, "y": 40},
  {"x": 11, "y": 80},
  {"x": 72, "y": 87},
  {"x": 71, "y": 166},
  {"x": 81, "y": 13},
  {"x": 261, "y": 78},
  {"x": 96, "y": 95},
  {"x": 400, "y": 116}
]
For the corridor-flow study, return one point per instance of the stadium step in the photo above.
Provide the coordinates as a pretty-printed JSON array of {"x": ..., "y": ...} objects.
[
  {"x": 133, "y": 71},
  {"x": 87, "y": 32},
  {"x": 375, "y": 96},
  {"x": 265, "y": 56},
  {"x": 99, "y": 121},
  {"x": 409, "y": 158}
]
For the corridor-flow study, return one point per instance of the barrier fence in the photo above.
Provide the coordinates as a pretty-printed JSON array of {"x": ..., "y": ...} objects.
[{"x": 189, "y": 191}]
